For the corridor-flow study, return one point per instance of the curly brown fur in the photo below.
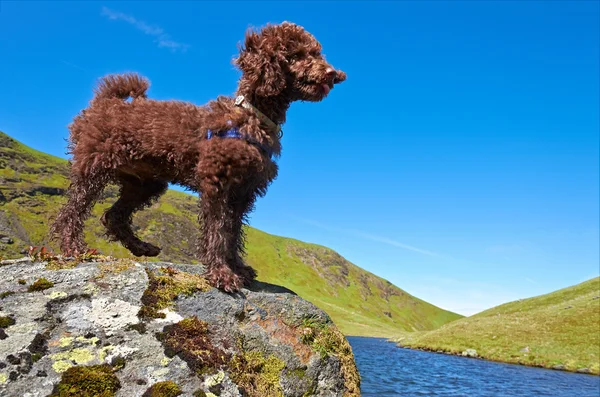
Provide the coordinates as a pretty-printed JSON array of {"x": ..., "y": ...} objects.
[{"x": 144, "y": 144}]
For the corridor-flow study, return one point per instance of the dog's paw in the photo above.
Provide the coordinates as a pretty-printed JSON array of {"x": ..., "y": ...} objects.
[
  {"x": 144, "y": 249},
  {"x": 247, "y": 273},
  {"x": 224, "y": 279}
]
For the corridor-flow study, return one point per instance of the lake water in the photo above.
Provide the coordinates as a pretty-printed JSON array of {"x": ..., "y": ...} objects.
[{"x": 387, "y": 370}]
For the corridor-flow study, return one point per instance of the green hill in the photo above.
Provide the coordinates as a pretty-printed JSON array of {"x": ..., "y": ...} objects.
[
  {"x": 32, "y": 186},
  {"x": 558, "y": 330}
]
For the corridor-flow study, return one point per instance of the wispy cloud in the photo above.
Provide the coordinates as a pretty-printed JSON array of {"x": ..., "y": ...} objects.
[
  {"x": 367, "y": 236},
  {"x": 163, "y": 40},
  {"x": 72, "y": 65},
  {"x": 393, "y": 243}
]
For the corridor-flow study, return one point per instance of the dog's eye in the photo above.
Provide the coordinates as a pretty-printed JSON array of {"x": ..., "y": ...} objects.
[{"x": 295, "y": 58}]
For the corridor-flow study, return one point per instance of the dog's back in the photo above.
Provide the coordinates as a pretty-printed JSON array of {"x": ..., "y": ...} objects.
[{"x": 122, "y": 134}]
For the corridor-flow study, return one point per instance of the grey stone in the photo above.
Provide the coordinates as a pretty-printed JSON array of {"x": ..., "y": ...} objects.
[
  {"x": 6, "y": 240},
  {"x": 90, "y": 316},
  {"x": 470, "y": 353}
]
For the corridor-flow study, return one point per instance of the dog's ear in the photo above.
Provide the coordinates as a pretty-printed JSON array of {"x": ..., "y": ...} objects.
[{"x": 261, "y": 64}]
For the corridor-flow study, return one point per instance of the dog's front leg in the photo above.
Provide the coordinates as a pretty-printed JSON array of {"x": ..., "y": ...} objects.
[
  {"x": 217, "y": 243},
  {"x": 230, "y": 176},
  {"x": 241, "y": 204}
]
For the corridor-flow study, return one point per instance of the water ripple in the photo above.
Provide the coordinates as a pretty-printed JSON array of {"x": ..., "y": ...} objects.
[{"x": 388, "y": 371}]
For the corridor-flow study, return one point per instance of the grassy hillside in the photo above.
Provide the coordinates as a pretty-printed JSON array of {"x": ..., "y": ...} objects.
[
  {"x": 32, "y": 186},
  {"x": 560, "y": 329}
]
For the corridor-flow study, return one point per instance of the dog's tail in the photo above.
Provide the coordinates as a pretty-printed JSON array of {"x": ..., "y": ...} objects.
[{"x": 122, "y": 86}]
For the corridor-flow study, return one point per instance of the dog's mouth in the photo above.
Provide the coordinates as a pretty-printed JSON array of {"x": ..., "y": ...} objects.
[
  {"x": 327, "y": 87},
  {"x": 323, "y": 88},
  {"x": 315, "y": 90}
]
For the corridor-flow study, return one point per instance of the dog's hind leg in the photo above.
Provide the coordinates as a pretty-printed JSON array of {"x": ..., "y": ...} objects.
[
  {"x": 135, "y": 194},
  {"x": 68, "y": 225}
]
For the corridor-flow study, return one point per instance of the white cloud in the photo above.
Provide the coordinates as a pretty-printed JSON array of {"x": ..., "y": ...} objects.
[
  {"x": 531, "y": 281},
  {"x": 163, "y": 40},
  {"x": 367, "y": 236},
  {"x": 72, "y": 65}
]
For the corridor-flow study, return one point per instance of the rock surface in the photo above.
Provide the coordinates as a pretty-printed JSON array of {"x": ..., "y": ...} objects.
[
  {"x": 118, "y": 327},
  {"x": 470, "y": 353}
]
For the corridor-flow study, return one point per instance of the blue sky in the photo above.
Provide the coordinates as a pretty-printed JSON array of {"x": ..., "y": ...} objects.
[{"x": 459, "y": 160}]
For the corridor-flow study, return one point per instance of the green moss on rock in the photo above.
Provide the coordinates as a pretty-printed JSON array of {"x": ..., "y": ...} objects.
[
  {"x": 256, "y": 374},
  {"x": 163, "y": 290},
  {"x": 191, "y": 340},
  {"x": 118, "y": 363},
  {"x": 6, "y": 321},
  {"x": 117, "y": 266},
  {"x": 150, "y": 312},
  {"x": 40, "y": 284},
  {"x": 328, "y": 340},
  {"x": 299, "y": 373},
  {"x": 91, "y": 381},
  {"x": 163, "y": 389},
  {"x": 6, "y": 294}
]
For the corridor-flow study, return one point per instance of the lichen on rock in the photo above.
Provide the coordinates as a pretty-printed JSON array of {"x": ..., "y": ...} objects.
[{"x": 157, "y": 329}]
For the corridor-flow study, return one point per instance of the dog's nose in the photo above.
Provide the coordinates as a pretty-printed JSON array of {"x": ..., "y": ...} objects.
[{"x": 330, "y": 73}]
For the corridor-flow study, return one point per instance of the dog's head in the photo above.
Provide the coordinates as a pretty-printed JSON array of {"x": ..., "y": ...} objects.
[{"x": 286, "y": 59}]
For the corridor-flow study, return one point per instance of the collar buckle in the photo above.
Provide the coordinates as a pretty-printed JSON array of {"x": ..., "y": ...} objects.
[{"x": 240, "y": 100}]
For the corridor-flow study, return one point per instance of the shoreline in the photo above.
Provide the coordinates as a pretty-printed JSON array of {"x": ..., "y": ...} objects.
[{"x": 561, "y": 368}]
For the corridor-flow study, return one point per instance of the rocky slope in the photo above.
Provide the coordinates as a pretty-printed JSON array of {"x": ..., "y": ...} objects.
[
  {"x": 123, "y": 328},
  {"x": 32, "y": 185}
]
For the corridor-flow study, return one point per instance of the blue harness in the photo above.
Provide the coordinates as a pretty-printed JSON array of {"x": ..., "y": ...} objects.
[{"x": 235, "y": 133}]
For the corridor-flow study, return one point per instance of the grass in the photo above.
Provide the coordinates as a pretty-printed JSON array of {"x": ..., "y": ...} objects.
[
  {"x": 355, "y": 299},
  {"x": 560, "y": 329},
  {"x": 359, "y": 302}
]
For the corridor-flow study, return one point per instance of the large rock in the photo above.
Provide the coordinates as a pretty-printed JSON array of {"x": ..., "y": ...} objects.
[{"x": 122, "y": 328}]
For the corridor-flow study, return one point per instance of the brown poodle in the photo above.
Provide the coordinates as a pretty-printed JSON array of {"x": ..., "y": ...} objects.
[{"x": 224, "y": 149}]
